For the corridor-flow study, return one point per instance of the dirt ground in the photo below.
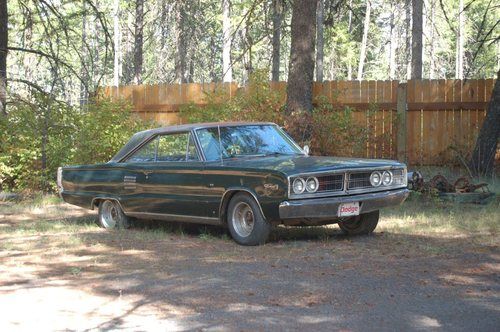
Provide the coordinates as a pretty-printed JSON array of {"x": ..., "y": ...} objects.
[{"x": 59, "y": 271}]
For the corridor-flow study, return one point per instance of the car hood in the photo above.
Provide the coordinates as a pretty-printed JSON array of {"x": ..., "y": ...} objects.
[{"x": 292, "y": 165}]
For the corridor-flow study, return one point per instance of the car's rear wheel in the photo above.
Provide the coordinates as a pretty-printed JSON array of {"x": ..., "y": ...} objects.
[
  {"x": 111, "y": 215},
  {"x": 245, "y": 221},
  {"x": 363, "y": 224}
]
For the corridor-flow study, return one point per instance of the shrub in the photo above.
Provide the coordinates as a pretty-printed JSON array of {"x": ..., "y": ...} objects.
[
  {"x": 39, "y": 136},
  {"x": 256, "y": 102},
  {"x": 104, "y": 127}
]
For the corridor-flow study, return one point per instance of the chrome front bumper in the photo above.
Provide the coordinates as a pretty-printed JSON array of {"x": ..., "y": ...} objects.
[{"x": 328, "y": 207}]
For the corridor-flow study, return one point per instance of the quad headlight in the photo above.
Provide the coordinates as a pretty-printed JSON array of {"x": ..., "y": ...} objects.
[
  {"x": 387, "y": 178},
  {"x": 300, "y": 185},
  {"x": 312, "y": 184},
  {"x": 376, "y": 179}
]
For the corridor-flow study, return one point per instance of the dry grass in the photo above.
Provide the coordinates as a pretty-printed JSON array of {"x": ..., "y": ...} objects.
[
  {"x": 436, "y": 218},
  {"x": 48, "y": 215}
]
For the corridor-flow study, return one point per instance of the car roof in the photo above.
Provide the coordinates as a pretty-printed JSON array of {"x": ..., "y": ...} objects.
[{"x": 138, "y": 138}]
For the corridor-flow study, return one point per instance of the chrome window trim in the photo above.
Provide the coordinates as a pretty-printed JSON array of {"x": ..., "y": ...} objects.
[
  {"x": 345, "y": 190},
  {"x": 198, "y": 145},
  {"x": 156, "y": 136}
]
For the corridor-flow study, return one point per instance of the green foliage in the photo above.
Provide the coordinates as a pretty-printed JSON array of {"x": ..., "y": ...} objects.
[
  {"x": 39, "y": 136},
  {"x": 334, "y": 131},
  {"x": 104, "y": 128},
  {"x": 256, "y": 102}
]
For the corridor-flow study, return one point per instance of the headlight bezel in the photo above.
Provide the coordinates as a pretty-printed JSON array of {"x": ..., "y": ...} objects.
[{"x": 299, "y": 179}]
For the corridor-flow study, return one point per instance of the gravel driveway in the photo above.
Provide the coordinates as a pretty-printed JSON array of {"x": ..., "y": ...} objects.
[{"x": 198, "y": 279}]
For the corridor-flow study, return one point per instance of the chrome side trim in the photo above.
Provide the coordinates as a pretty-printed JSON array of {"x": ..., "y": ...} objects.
[
  {"x": 175, "y": 217},
  {"x": 345, "y": 190},
  {"x": 238, "y": 189}
]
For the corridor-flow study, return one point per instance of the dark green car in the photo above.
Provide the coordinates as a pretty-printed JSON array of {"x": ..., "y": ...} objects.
[{"x": 246, "y": 176}]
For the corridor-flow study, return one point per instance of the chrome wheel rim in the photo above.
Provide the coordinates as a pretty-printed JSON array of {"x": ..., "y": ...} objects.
[
  {"x": 109, "y": 215},
  {"x": 243, "y": 219}
]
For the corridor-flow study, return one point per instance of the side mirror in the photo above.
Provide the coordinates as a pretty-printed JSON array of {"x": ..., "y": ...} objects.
[{"x": 306, "y": 149}]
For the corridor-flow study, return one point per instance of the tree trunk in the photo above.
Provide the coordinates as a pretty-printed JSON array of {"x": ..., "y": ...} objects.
[
  {"x": 483, "y": 157},
  {"x": 84, "y": 71},
  {"x": 408, "y": 38},
  {"x": 116, "y": 32},
  {"x": 416, "y": 39},
  {"x": 138, "y": 40},
  {"x": 276, "y": 44},
  {"x": 319, "y": 41},
  {"x": 180, "y": 55},
  {"x": 349, "y": 30},
  {"x": 301, "y": 67},
  {"x": 459, "y": 63},
  {"x": 392, "y": 43},
  {"x": 432, "y": 61},
  {"x": 362, "y": 52},
  {"x": 227, "y": 72},
  {"x": 3, "y": 56}
]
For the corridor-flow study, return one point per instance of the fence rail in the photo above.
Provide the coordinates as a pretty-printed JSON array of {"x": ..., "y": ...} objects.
[{"x": 423, "y": 122}]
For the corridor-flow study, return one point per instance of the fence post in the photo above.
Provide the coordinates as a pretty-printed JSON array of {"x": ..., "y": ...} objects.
[{"x": 401, "y": 108}]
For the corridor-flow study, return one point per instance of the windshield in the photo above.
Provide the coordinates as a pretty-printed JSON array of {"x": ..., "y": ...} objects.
[{"x": 243, "y": 141}]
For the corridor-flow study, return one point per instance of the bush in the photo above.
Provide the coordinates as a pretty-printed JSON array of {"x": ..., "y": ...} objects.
[
  {"x": 39, "y": 136},
  {"x": 256, "y": 102},
  {"x": 104, "y": 128}
]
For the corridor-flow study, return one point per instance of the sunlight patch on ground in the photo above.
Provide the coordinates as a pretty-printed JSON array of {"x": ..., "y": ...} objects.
[{"x": 29, "y": 308}]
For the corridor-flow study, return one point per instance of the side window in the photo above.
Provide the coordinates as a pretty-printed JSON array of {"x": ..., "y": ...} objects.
[
  {"x": 173, "y": 147},
  {"x": 144, "y": 154},
  {"x": 176, "y": 147}
]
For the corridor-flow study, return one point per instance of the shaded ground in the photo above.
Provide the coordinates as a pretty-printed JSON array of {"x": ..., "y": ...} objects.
[{"x": 59, "y": 271}]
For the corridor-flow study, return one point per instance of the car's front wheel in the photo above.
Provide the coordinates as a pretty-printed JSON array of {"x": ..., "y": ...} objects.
[
  {"x": 246, "y": 223},
  {"x": 111, "y": 215},
  {"x": 363, "y": 224}
]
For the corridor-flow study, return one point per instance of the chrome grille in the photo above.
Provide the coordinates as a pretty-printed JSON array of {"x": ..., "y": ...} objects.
[
  {"x": 331, "y": 182},
  {"x": 359, "y": 180}
]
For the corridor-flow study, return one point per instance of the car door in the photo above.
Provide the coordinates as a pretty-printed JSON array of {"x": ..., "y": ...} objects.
[
  {"x": 134, "y": 171},
  {"x": 172, "y": 184}
]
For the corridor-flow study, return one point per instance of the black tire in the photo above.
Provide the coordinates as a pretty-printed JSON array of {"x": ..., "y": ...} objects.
[
  {"x": 111, "y": 215},
  {"x": 360, "y": 225},
  {"x": 242, "y": 212}
]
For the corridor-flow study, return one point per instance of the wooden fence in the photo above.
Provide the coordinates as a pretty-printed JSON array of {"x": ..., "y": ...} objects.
[{"x": 422, "y": 122}]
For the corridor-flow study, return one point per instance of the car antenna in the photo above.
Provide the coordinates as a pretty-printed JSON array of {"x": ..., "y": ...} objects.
[{"x": 220, "y": 146}]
